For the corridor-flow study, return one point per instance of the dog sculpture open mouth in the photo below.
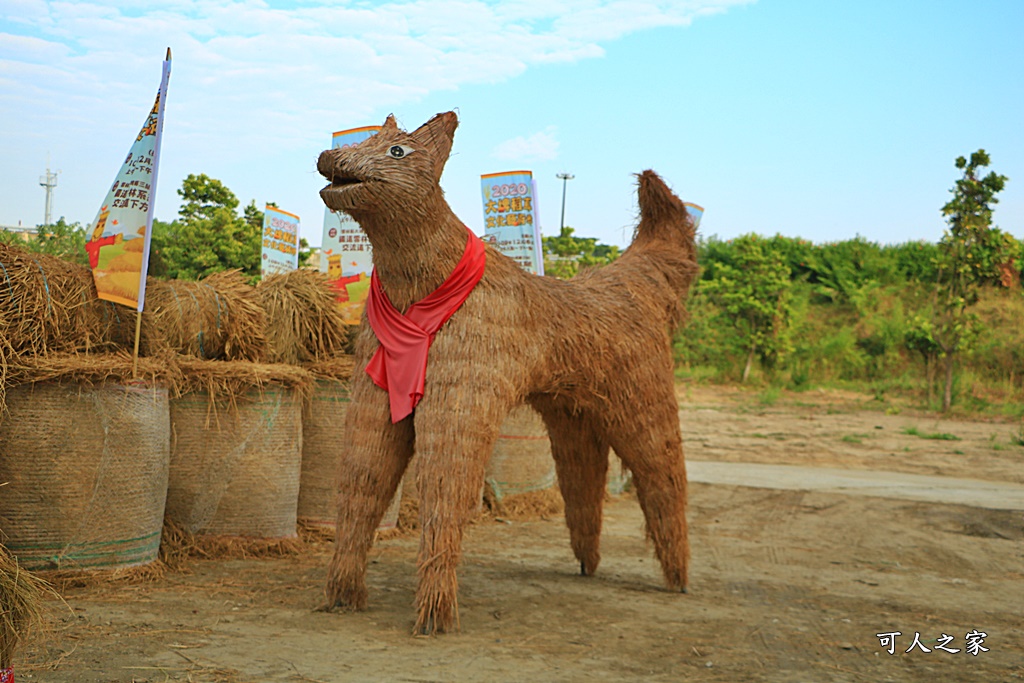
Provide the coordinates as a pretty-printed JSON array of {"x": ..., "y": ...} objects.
[{"x": 340, "y": 182}]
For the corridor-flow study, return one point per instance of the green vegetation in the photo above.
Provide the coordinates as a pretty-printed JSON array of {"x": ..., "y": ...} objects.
[
  {"x": 935, "y": 436},
  {"x": 935, "y": 324},
  {"x": 207, "y": 237},
  {"x": 62, "y": 239},
  {"x": 565, "y": 254},
  {"x": 972, "y": 254}
]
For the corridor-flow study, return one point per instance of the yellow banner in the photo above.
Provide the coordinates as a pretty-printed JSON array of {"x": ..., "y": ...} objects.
[{"x": 118, "y": 240}]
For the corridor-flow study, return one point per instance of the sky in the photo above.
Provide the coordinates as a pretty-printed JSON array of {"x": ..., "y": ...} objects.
[{"x": 819, "y": 120}]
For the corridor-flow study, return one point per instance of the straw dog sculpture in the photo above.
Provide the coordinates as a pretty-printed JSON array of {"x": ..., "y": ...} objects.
[{"x": 591, "y": 355}]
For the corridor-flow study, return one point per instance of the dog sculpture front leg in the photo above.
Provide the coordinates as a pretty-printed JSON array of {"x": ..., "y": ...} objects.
[
  {"x": 454, "y": 440},
  {"x": 375, "y": 456}
]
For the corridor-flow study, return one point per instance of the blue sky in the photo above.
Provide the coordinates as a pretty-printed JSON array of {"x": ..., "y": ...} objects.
[{"x": 823, "y": 120}]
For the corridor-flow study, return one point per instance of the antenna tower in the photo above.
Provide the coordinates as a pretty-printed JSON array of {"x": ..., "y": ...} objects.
[{"x": 49, "y": 181}]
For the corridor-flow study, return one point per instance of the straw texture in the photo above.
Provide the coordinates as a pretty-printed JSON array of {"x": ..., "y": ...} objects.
[
  {"x": 236, "y": 472},
  {"x": 21, "y": 596},
  {"x": 591, "y": 355},
  {"x": 323, "y": 421},
  {"x": 304, "y": 324},
  {"x": 87, "y": 472},
  {"x": 218, "y": 317},
  {"x": 49, "y": 304}
]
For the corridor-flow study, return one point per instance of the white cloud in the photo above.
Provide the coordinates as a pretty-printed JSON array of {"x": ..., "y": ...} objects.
[
  {"x": 252, "y": 80},
  {"x": 541, "y": 146}
]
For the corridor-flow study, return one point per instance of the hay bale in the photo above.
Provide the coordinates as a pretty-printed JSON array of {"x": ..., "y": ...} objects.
[
  {"x": 87, "y": 470},
  {"x": 304, "y": 323},
  {"x": 323, "y": 420},
  {"x": 236, "y": 451},
  {"x": 521, "y": 461},
  {"x": 48, "y": 303},
  {"x": 620, "y": 479},
  {"x": 21, "y": 596},
  {"x": 219, "y": 317}
]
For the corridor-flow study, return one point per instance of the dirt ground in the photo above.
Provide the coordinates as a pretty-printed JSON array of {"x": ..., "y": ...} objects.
[{"x": 785, "y": 585}]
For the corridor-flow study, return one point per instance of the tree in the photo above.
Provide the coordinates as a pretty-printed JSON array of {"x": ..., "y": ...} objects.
[
  {"x": 971, "y": 254},
  {"x": 565, "y": 254},
  {"x": 62, "y": 239},
  {"x": 202, "y": 195},
  {"x": 752, "y": 290},
  {"x": 208, "y": 236}
]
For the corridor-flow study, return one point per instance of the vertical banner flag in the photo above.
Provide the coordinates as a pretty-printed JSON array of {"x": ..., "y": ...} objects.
[
  {"x": 510, "y": 217},
  {"x": 119, "y": 238},
  {"x": 345, "y": 253},
  {"x": 696, "y": 213},
  {"x": 280, "y": 241}
]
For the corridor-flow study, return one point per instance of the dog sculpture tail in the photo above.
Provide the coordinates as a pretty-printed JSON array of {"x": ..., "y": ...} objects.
[{"x": 665, "y": 240}]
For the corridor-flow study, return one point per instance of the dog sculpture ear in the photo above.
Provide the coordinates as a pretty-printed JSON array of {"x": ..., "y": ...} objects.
[
  {"x": 389, "y": 126},
  {"x": 437, "y": 135}
]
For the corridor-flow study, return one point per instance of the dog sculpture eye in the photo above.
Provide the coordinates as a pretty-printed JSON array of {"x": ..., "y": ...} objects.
[{"x": 399, "y": 151}]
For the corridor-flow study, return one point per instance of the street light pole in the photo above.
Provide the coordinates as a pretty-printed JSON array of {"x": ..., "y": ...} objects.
[{"x": 565, "y": 178}]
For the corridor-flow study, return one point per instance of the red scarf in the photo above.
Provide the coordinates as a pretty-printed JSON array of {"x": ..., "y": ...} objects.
[{"x": 400, "y": 364}]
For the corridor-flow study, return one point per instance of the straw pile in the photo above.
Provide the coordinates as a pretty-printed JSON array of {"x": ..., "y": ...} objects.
[
  {"x": 21, "y": 596},
  {"x": 219, "y": 317},
  {"x": 46, "y": 304},
  {"x": 224, "y": 383},
  {"x": 304, "y": 324},
  {"x": 96, "y": 368}
]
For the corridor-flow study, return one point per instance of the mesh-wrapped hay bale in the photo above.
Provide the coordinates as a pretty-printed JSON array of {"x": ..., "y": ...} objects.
[
  {"x": 86, "y": 468},
  {"x": 619, "y": 476},
  {"x": 237, "y": 450},
  {"x": 219, "y": 317},
  {"x": 303, "y": 321},
  {"x": 47, "y": 303},
  {"x": 323, "y": 422},
  {"x": 521, "y": 462}
]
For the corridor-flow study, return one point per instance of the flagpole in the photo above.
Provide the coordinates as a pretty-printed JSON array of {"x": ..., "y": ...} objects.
[{"x": 135, "y": 353}]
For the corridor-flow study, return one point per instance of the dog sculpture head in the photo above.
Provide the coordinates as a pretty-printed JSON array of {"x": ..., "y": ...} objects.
[{"x": 390, "y": 172}]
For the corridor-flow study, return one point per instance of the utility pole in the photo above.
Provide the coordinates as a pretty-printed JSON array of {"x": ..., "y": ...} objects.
[
  {"x": 49, "y": 181},
  {"x": 565, "y": 178}
]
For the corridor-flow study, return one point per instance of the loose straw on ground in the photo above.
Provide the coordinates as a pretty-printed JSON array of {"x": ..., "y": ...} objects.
[{"x": 21, "y": 597}]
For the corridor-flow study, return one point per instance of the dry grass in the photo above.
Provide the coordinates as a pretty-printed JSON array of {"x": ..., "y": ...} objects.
[
  {"x": 89, "y": 369},
  {"x": 339, "y": 368},
  {"x": 227, "y": 382},
  {"x": 48, "y": 304},
  {"x": 542, "y": 504},
  {"x": 219, "y": 317},
  {"x": 64, "y": 580},
  {"x": 304, "y": 324},
  {"x": 21, "y": 599}
]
